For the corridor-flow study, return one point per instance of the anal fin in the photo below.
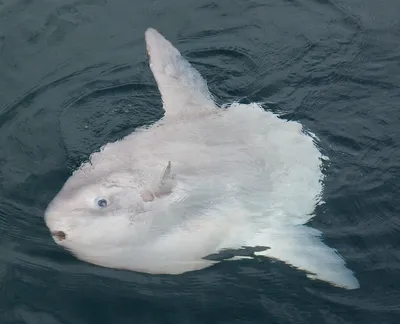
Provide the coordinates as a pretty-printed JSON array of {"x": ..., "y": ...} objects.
[{"x": 302, "y": 247}]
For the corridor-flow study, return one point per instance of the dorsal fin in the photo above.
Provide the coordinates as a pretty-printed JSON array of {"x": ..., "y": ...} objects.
[{"x": 183, "y": 90}]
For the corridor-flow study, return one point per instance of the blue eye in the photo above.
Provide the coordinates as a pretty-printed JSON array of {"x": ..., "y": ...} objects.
[{"x": 102, "y": 203}]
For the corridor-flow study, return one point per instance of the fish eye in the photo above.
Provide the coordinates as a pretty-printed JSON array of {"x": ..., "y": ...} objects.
[{"x": 102, "y": 202}]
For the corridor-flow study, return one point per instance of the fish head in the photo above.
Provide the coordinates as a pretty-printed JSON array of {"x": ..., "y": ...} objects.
[{"x": 99, "y": 214}]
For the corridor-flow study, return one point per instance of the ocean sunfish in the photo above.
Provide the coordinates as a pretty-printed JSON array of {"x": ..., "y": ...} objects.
[{"x": 202, "y": 180}]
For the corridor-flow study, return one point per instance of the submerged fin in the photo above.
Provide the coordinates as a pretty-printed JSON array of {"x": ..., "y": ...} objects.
[
  {"x": 301, "y": 247},
  {"x": 244, "y": 252},
  {"x": 182, "y": 88}
]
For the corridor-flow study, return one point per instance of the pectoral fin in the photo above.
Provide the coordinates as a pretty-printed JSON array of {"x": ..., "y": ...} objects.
[{"x": 162, "y": 187}]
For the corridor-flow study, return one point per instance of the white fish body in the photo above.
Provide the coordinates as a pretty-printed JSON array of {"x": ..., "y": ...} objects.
[{"x": 200, "y": 180}]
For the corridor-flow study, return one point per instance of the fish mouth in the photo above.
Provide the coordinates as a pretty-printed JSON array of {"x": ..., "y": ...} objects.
[{"x": 59, "y": 235}]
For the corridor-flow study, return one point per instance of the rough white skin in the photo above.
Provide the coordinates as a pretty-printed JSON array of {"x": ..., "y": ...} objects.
[{"x": 237, "y": 177}]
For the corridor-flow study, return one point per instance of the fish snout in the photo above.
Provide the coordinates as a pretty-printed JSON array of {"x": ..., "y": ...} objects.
[{"x": 59, "y": 235}]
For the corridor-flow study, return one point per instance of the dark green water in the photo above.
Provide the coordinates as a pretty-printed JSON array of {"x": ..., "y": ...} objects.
[{"x": 74, "y": 76}]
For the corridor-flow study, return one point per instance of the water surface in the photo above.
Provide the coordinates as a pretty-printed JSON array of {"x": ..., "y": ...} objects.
[{"x": 74, "y": 75}]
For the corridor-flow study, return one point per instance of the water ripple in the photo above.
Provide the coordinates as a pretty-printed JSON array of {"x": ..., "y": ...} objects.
[{"x": 75, "y": 76}]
